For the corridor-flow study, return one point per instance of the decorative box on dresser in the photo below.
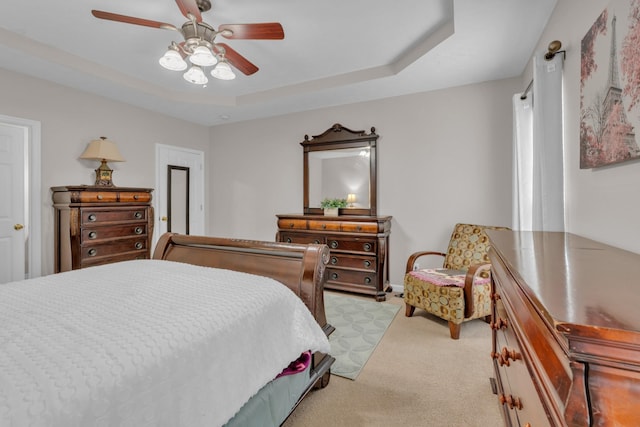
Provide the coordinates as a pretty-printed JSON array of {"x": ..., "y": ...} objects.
[
  {"x": 566, "y": 330},
  {"x": 359, "y": 248},
  {"x": 99, "y": 225}
]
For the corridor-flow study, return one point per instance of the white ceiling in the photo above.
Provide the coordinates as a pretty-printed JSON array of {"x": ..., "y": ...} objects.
[{"x": 334, "y": 51}]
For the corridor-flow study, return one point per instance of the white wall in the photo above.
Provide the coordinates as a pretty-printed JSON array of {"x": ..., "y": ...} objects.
[
  {"x": 602, "y": 204},
  {"x": 70, "y": 119},
  {"x": 444, "y": 157}
]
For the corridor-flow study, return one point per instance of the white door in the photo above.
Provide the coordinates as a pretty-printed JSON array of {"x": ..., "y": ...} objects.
[
  {"x": 13, "y": 221},
  {"x": 181, "y": 158}
]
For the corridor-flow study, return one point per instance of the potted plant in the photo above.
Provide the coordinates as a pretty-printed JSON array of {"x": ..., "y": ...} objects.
[{"x": 331, "y": 206}]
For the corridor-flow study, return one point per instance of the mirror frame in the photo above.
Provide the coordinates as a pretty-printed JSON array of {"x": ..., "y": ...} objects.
[
  {"x": 338, "y": 137},
  {"x": 170, "y": 169}
]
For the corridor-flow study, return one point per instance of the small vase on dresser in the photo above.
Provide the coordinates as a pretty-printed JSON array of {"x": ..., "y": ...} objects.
[{"x": 331, "y": 211}]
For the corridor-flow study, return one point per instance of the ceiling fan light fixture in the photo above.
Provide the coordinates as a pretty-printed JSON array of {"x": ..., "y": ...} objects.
[
  {"x": 223, "y": 71},
  {"x": 196, "y": 76},
  {"x": 172, "y": 60},
  {"x": 203, "y": 57}
]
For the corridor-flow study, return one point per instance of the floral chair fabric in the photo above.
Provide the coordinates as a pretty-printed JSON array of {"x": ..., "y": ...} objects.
[{"x": 461, "y": 290}]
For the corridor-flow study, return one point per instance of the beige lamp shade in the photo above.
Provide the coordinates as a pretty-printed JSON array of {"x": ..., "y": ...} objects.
[
  {"x": 351, "y": 199},
  {"x": 102, "y": 149},
  {"x": 105, "y": 151}
]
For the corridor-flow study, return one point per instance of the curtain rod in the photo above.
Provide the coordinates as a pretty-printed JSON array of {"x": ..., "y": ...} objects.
[{"x": 526, "y": 91}]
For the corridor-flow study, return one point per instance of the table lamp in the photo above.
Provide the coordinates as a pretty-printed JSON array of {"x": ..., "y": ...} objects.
[
  {"x": 106, "y": 151},
  {"x": 351, "y": 199}
]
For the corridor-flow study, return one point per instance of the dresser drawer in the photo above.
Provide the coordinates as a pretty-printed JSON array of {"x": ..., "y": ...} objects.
[
  {"x": 301, "y": 238},
  {"x": 292, "y": 224},
  {"x": 355, "y": 278},
  {"x": 100, "y": 233},
  {"x": 135, "y": 197},
  {"x": 91, "y": 250},
  {"x": 324, "y": 225},
  {"x": 97, "y": 215},
  {"x": 96, "y": 197},
  {"x": 352, "y": 244},
  {"x": 359, "y": 227},
  {"x": 353, "y": 261},
  {"x": 127, "y": 256}
]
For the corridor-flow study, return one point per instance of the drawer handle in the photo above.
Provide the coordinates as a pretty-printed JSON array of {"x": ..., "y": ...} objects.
[
  {"x": 99, "y": 196},
  {"x": 367, "y": 280},
  {"x": 288, "y": 239},
  {"x": 291, "y": 225},
  {"x": 138, "y": 230},
  {"x": 93, "y": 234},
  {"x": 333, "y": 244},
  {"x": 367, "y": 246},
  {"x": 138, "y": 215},
  {"x": 358, "y": 228},
  {"x": 507, "y": 354},
  {"x": 136, "y": 197},
  {"x": 92, "y": 217},
  {"x": 512, "y": 402},
  {"x": 324, "y": 226},
  {"x": 92, "y": 252},
  {"x": 317, "y": 242},
  {"x": 139, "y": 245},
  {"x": 367, "y": 263},
  {"x": 334, "y": 276},
  {"x": 334, "y": 260},
  {"x": 499, "y": 324}
]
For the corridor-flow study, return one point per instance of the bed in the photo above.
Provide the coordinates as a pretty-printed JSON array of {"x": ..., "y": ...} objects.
[{"x": 168, "y": 341}]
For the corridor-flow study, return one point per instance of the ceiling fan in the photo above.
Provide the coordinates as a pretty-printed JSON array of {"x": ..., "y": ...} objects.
[{"x": 199, "y": 44}]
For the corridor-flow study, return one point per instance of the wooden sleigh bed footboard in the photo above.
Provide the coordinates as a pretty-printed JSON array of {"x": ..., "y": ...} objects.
[{"x": 301, "y": 267}]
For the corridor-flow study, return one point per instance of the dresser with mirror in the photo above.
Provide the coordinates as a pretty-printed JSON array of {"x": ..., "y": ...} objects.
[{"x": 341, "y": 163}]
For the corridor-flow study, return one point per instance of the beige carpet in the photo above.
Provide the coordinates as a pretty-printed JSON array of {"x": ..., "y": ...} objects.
[{"x": 417, "y": 376}]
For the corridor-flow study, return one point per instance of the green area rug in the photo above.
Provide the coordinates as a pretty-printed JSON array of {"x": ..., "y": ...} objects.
[{"x": 360, "y": 325}]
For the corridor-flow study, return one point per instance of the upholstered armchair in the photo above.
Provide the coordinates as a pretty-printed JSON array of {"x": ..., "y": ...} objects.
[{"x": 461, "y": 289}]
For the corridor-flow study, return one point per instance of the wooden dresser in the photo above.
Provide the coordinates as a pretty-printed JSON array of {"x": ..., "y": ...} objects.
[
  {"x": 359, "y": 247},
  {"x": 566, "y": 330},
  {"x": 100, "y": 225}
]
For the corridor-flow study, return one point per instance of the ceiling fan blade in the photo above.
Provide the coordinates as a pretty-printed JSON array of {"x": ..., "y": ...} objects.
[
  {"x": 237, "y": 60},
  {"x": 263, "y": 31},
  {"x": 189, "y": 8},
  {"x": 132, "y": 20}
]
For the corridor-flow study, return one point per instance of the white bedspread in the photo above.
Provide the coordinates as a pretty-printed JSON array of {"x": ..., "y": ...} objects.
[{"x": 144, "y": 343}]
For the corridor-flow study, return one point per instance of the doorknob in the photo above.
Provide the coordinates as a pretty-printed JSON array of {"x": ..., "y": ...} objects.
[
  {"x": 164, "y": 218},
  {"x": 18, "y": 227}
]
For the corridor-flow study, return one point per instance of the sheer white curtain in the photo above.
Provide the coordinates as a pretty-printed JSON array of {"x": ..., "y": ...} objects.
[
  {"x": 538, "y": 165},
  {"x": 522, "y": 163}
]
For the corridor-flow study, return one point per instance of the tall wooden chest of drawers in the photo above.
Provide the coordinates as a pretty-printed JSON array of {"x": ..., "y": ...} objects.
[
  {"x": 566, "y": 330},
  {"x": 101, "y": 225},
  {"x": 358, "y": 245}
]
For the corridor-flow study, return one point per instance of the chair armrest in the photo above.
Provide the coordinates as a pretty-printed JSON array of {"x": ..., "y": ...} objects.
[
  {"x": 474, "y": 271},
  {"x": 414, "y": 256}
]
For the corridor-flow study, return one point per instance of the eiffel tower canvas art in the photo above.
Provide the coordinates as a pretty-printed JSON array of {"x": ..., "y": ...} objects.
[{"x": 610, "y": 87}]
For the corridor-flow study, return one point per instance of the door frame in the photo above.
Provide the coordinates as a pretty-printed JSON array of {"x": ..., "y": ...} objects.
[{"x": 34, "y": 190}]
